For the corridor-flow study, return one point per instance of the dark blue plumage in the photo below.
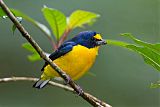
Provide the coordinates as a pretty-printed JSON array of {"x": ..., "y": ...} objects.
[{"x": 83, "y": 38}]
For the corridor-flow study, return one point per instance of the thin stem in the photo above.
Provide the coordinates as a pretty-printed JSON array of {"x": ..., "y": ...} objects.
[
  {"x": 28, "y": 37},
  {"x": 117, "y": 43},
  {"x": 63, "y": 38},
  {"x": 53, "y": 44}
]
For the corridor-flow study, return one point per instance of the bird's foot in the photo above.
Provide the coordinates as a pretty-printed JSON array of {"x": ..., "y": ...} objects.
[
  {"x": 68, "y": 79},
  {"x": 79, "y": 90}
]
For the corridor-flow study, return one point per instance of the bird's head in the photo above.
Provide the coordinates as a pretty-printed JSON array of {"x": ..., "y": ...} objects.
[{"x": 89, "y": 39}]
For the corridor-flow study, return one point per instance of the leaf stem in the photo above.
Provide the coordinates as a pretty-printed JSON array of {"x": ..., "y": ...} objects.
[
  {"x": 117, "y": 43},
  {"x": 63, "y": 38},
  {"x": 52, "y": 42}
]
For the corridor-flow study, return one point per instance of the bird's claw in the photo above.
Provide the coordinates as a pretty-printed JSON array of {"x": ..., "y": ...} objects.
[
  {"x": 79, "y": 90},
  {"x": 67, "y": 80}
]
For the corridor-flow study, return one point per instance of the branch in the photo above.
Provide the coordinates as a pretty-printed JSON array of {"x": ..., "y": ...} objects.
[
  {"x": 67, "y": 88},
  {"x": 26, "y": 35},
  {"x": 14, "y": 79}
]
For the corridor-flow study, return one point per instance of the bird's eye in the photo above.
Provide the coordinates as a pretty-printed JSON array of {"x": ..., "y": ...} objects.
[{"x": 93, "y": 39}]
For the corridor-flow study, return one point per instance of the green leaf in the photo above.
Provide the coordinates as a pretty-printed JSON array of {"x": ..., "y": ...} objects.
[
  {"x": 80, "y": 17},
  {"x": 42, "y": 27},
  {"x": 149, "y": 56},
  {"x": 56, "y": 20},
  {"x": 28, "y": 47},
  {"x": 155, "y": 85},
  {"x": 149, "y": 52},
  {"x": 2, "y": 13},
  {"x": 34, "y": 57},
  {"x": 117, "y": 43},
  {"x": 153, "y": 47},
  {"x": 14, "y": 26}
]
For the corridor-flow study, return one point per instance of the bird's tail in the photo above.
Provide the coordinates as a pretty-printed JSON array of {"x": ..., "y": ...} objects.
[{"x": 41, "y": 83}]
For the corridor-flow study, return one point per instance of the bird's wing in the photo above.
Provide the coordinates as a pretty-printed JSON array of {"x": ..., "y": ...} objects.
[{"x": 62, "y": 50}]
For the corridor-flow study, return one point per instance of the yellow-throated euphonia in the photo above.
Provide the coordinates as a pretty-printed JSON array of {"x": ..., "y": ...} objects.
[{"x": 74, "y": 56}]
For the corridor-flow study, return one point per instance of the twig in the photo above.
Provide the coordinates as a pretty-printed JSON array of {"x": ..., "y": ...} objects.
[
  {"x": 14, "y": 79},
  {"x": 67, "y": 88},
  {"x": 54, "y": 46},
  {"x": 26, "y": 35},
  {"x": 64, "y": 36}
]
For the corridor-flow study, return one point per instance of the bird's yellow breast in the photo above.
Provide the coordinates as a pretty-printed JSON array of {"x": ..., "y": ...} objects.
[{"x": 75, "y": 63}]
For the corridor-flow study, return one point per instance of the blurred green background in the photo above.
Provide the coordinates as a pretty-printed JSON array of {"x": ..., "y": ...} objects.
[{"x": 122, "y": 78}]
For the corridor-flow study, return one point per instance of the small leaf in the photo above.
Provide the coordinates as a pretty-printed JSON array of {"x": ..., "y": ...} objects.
[
  {"x": 29, "y": 47},
  {"x": 2, "y": 13},
  {"x": 80, "y": 17},
  {"x": 56, "y": 20},
  {"x": 14, "y": 27},
  {"x": 155, "y": 85},
  {"x": 34, "y": 57}
]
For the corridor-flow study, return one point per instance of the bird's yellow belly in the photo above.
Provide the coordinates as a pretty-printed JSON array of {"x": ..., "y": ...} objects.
[{"x": 75, "y": 63}]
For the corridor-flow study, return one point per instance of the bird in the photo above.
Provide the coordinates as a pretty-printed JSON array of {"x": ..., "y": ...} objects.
[{"x": 75, "y": 56}]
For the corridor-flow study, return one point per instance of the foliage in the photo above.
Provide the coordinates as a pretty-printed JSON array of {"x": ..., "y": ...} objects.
[
  {"x": 35, "y": 56},
  {"x": 58, "y": 24},
  {"x": 61, "y": 26},
  {"x": 149, "y": 52},
  {"x": 155, "y": 85},
  {"x": 57, "y": 21},
  {"x": 79, "y": 17},
  {"x": 2, "y": 13}
]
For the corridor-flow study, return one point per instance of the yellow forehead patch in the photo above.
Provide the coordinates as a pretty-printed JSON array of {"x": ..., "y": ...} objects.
[{"x": 98, "y": 36}]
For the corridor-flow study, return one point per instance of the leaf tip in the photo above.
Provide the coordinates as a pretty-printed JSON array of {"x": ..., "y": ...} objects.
[{"x": 44, "y": 6}]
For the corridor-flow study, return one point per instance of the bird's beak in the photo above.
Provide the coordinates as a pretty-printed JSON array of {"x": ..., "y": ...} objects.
[{"x": 101, "y": 42}]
